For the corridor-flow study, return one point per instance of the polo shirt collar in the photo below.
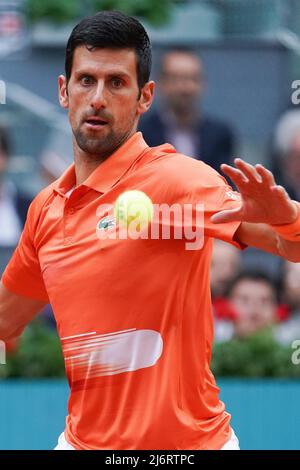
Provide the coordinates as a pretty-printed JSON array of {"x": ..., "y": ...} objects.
[{"x": 108, "y": 172}]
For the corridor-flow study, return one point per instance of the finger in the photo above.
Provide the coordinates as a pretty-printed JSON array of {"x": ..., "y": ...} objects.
[
  {"x": 234, "y": 174},
  {"x": 227, "y": 216},
  {"x": 266, "y": 175},
  {"x": 280, "y": 191},
  {"x": 248, "y": 170}
]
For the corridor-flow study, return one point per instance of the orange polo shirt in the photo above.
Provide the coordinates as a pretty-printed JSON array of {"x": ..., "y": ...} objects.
[{"x": 134, "y": 315}]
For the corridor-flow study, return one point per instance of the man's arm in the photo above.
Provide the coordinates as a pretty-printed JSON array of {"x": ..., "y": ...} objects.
[
  {"x": 15, "y": 313},
  {"x": 262, "y": 236},
  {"x": 270, "y": 220}
]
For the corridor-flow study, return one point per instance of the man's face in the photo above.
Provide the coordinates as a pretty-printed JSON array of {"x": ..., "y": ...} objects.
[
  {"x": 181, "y": 81},
  {"x": 255, "y": 303},
  {"x": 103, "y": 98}
]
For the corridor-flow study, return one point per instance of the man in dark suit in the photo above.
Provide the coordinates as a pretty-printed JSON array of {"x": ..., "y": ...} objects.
[{"x": 179, "y": 120}]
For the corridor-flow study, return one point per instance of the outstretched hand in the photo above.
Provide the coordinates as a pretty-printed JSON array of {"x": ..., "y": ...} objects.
[{"x": 263, "y": 201}]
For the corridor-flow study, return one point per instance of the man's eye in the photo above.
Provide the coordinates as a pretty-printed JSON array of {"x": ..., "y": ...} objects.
[
  {"x": 86, "y": 80},
  {"x": 116, "y": 82}
]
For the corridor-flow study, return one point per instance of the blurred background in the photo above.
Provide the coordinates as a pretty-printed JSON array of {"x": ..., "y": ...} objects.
[{"x": 226, "y": 73}]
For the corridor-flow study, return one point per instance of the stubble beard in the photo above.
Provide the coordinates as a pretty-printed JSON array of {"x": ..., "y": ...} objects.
[{"x": 100, "y": 147}]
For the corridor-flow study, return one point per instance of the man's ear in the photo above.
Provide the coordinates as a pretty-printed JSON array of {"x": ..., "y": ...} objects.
[
  {"x": 63, "y": 92},
  {"x": 146, "y": 98}
]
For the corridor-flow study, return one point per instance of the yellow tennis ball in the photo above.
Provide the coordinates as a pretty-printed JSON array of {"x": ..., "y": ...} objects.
[{"x": 134, "y": 209}]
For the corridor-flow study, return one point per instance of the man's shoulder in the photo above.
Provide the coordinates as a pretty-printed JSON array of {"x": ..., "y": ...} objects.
[{"x": 182, "y": 170}]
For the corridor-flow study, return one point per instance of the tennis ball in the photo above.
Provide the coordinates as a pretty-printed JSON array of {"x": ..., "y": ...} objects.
[{"x": 134, "y": 209}]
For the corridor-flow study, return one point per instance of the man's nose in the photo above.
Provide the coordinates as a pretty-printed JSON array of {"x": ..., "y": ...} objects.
[{"x": 99, "y": 97}]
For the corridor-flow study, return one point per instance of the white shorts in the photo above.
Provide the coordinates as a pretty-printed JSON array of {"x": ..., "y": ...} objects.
[
  {"x": 63, "y": 444},
  {"x": 232, "y": 444}
]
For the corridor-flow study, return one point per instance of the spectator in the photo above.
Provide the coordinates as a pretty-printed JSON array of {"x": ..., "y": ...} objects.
[
  {"x": 179, "y": 119},
  {"x": 13, "y": 206},
  {"x": 254, "y": 297},
  {"x": 287, "y": 152},
  {"x": 226, "y": 263}
]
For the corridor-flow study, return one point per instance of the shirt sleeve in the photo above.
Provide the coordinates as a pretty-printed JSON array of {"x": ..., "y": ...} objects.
[
  {"x": 222, "y": 198},
  {"x": 209, "y": 194},
  {"x": 23, "y": 273}
]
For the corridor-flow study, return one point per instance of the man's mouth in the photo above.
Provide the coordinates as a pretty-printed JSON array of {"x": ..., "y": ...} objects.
[{"x": 95, "y": 122}]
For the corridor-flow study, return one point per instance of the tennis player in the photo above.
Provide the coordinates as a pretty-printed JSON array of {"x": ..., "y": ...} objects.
[{"x": 134, "y": 315}]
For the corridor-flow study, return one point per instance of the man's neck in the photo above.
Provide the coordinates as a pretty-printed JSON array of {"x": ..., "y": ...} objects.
[{"x": 85, "y": 167}]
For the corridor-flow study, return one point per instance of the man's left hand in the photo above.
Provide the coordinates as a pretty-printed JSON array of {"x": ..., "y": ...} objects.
[{"x": 263, "y": 201}]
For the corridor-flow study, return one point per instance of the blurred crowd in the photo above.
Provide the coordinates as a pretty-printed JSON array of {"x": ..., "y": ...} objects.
[
  {"x": 251, "y": 290},
  {"x": 247, "y": 301}
]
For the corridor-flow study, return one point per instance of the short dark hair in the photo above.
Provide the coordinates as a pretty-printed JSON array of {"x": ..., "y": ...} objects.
[
  {"x": 115, "y": 30},
  {"x": 4, "y": 141},
  {"x": 255, "y": 275}
]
